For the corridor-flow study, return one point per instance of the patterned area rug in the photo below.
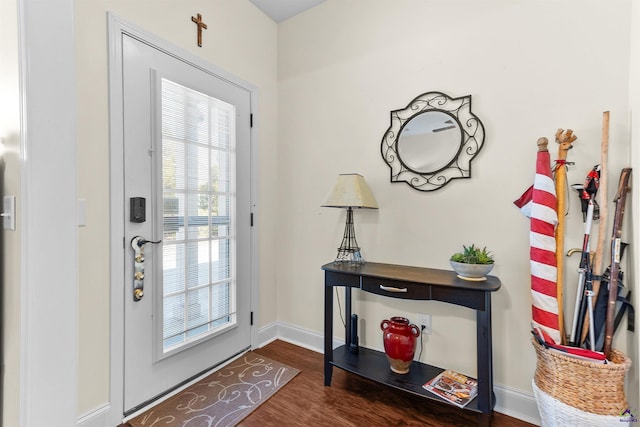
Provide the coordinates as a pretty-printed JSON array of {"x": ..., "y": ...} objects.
[{"x": 222, "y": 399}]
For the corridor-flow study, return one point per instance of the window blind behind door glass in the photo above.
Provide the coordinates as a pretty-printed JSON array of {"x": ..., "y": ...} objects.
[{"x": 198, "y": 153}]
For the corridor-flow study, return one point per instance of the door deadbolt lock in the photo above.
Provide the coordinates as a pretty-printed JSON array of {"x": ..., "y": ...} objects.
[{"x": 137, "y": 243}]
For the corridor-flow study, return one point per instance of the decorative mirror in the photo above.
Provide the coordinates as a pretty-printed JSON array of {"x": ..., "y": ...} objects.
[{"x": 432, "y": 141}]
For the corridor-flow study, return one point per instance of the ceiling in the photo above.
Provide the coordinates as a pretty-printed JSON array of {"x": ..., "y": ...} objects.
[{"x": 279, "y": 10}]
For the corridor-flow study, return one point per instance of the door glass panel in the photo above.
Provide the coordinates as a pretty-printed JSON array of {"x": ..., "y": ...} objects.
[{"x": 198, "y": 144}]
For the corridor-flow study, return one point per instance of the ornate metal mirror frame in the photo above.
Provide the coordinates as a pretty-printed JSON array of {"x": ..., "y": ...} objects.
[{"x": 432, "y": 141}]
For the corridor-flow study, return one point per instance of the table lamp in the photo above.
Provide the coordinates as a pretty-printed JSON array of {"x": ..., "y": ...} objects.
[{"x": 350, "y": 191}]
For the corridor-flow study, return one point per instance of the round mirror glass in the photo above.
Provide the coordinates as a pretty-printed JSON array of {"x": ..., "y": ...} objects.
[{"x": 429, "y": 141}]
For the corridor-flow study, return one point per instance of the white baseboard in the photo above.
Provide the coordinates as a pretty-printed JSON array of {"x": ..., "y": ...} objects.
[
  {"x": 511, "y": 402},
  {"x": 517, "y": 404},
  {"x": 99, "y": 417},
  {"x": 294, "y": 335}
]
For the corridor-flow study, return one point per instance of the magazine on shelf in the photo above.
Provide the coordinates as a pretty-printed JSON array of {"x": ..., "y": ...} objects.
[{"x": 453, "y": 387}]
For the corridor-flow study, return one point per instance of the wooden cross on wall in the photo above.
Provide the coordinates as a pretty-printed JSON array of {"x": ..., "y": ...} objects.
[{"x": 198, "y": 21}]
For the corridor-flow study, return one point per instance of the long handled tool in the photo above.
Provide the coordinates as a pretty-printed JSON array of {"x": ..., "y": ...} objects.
[
  {"x": 623, "y": 305},
  {"x": 584, "y": 293},
  {"x": 616, "y": 254},
  {"x": 564, "y": 139},
  {"x": 584, "y": 267},
  {"x": 597, "y": 265},
  {"x": 588, "y": 295}
]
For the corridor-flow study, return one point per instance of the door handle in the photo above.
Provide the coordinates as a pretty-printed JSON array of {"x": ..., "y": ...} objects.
[
  {"x": 140, "y": 241},
  {"x": 137, "y": 243}
]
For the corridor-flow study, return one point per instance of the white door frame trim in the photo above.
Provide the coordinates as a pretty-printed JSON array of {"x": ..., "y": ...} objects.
[
  {"x": 48, "y": 215},
  {"x": 116, "y": 28},
  {"x": 47, "y": 209}
]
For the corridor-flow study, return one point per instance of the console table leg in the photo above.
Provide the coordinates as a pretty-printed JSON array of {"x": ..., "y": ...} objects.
[
  {"x": 486, "y": 400},
  {"x": 347, "y": 316},
  {"x": 484, "y": 420},
  {"x": 328, "y": 334}
]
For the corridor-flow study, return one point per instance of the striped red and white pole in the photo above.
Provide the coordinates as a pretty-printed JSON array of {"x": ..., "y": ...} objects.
[{"x": 539, "y": 204}]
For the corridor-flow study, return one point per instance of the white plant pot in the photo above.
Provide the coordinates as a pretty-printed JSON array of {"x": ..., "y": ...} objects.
[{"x": 474, "y": 272}]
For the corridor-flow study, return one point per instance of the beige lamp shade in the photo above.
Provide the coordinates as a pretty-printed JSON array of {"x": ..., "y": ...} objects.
[{"x": 350, "y": 191}]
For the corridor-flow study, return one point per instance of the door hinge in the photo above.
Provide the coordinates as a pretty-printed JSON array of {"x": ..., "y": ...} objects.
[
  {"x": 252, "y": 318},
  {"x": 251, "y": 219},
  {"x": 251, "y": 120}
]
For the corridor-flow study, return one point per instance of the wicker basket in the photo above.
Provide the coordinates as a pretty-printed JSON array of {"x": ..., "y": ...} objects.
[
  {"x": 554, "y": 413},
  {"x": 591, "y": 387}
]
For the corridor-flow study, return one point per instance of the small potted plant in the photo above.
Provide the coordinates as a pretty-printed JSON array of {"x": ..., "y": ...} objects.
[{"x": 472, "y": 263}]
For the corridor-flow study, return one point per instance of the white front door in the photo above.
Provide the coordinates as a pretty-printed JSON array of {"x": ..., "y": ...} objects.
[{"x": 187, "y": 221}]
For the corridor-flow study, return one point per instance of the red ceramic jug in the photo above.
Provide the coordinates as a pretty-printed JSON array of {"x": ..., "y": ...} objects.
[{"x": 399, "y": 337}]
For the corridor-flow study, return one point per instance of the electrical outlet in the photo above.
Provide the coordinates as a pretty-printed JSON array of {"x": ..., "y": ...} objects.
[{"x": 424, "y": 323}]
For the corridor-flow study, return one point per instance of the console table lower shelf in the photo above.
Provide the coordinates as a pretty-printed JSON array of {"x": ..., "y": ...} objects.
[
  {"x": 410, "y": 283},
  {"x": 373, "y": 365}
]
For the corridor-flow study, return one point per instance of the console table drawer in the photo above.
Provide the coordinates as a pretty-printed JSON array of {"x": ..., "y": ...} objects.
[{"x": 396, "y": 289}]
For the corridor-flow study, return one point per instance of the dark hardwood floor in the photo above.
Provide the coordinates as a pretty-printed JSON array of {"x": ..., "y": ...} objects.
[{"x": 350, "y": 400}]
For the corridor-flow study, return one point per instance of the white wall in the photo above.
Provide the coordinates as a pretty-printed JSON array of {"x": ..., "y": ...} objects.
[
  {"x": 634, "y": 82},
  {"x": 531, "y": 67}
]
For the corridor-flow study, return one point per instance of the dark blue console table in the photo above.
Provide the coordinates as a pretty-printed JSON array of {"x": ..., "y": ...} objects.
[{"x": 414, "y": 283}]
